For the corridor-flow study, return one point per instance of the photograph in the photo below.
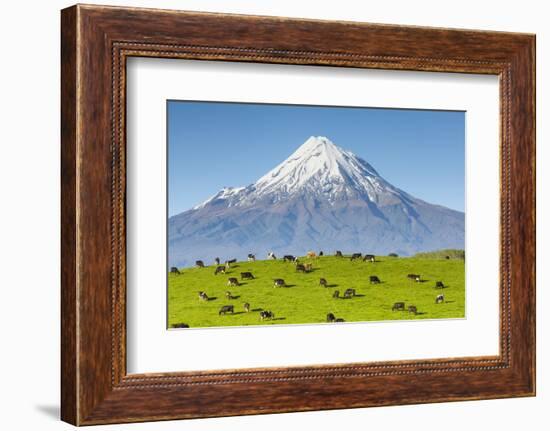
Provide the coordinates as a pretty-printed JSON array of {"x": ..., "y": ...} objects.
[{"x": 300, "y": 214}]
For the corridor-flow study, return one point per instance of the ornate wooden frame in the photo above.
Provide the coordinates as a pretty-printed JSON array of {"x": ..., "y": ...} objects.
[{"x": 95, "y": 42}]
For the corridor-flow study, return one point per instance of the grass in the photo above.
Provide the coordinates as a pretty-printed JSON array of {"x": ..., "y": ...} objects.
[
  {"x": 304, "y": 301},
  {"x": 449, "y": 253}
]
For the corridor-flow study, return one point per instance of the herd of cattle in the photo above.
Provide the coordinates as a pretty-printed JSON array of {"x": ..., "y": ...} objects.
[{"x": 300, "y": 267}]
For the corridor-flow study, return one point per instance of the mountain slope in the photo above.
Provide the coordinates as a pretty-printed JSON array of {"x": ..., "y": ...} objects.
[{"x": 321, "y": 198}]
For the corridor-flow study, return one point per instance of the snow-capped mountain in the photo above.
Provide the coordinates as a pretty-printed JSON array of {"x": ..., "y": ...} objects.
[{"x": 322, "y": 197}]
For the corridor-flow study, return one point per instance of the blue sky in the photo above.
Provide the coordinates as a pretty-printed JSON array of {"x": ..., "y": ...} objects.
[{"x": 213, "y": 145}]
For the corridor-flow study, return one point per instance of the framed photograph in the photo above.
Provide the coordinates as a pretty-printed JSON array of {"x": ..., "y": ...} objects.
[{"x": 265, "y": 214}]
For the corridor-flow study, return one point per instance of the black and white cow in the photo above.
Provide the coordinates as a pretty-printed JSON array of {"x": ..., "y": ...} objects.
[
  {"x": 439, "y": 299},
  {"x": 439, "y": 285},
  {"x": 355, "y": 256},
  {"x": 336, "y": 294},
  {"x": 199, "y": 263},
  {"x": 369, "y": 258},
  {"x": 374, "y": 279},
  {"x": 349, "y": 293},
  {"x": 323, "y": 282},
  {"x": 247, "y": 276},
  {"x": 251, "y": 257},
  {"x": 338, "y": 253},
  {"x": 412, "y": 309},
  {"x": 226, "y": 309},
  {"x": 414, "y": 277},
  {"x": 279, "y": 282},
  {"x": 289, "y": 258},
  {"x": 266, "y": 315},
  {"x": 219, "y": 270},
  {"x": 229, "y": 262},
  {"x": 398, "y": 306},
  {"x": 300, "y": 268},
  {"x": 232, "y": 281},
  {"x": 174, "y": 270},
  {"x": 180, "y": 325}
]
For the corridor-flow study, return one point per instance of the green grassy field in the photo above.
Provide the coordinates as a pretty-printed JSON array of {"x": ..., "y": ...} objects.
[{"x": 304, "y": 301}]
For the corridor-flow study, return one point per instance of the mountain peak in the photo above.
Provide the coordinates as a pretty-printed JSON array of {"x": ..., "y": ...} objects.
[
  {"x": 322, "y": 167},
  {"x": 318, "y": 168}
]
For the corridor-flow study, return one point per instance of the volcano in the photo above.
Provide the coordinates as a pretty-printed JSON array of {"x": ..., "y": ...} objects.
[{"x": 322, "y": 197}]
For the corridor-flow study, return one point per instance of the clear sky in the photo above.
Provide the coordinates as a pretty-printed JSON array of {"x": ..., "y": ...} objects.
[{"x": 212, "y": 145}]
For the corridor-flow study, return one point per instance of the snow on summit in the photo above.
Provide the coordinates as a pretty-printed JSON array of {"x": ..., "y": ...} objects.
[{"x": 317, "y": 168}]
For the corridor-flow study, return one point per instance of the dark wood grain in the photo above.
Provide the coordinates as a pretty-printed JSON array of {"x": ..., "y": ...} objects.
[{"x": 96, "y": 41}]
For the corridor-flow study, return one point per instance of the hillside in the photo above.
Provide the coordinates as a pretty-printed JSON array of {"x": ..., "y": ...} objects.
[
  {"x": 321, "y": 197},
  {"x": 304, "y": 301}
]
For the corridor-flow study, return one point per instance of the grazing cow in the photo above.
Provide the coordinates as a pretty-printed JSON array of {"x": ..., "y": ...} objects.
[
  {"x": 199, "y": 263},
  {"x": 265, "y": 315},
  {"x": 309, "y": 267},
  {"x": 279, "y": 282},
  {"x": 251, "y": 257},
  {"x": 271, "y": 255},
  {"x": 338, "y": 253},
  {"x": 217, "y": 261},
  {"x": 412, "y": 309},
  {"x": 311, "y": 254},
  {"x": 180, "y": 325},
  {"x": 228, "y": 295},
  {"x": 203, "y": 296},
  {"x": 447, "y": 257},
  {"x": 289, "y": 258},
  {"x": 219, "y": 269},
  {"x": 415, "y": 277},
  {"x": 247, "y": 276},
  {"x": 369, "y": 257},
  {"x": 332, "y": 318},
  {"x": 321, "y": 253},
  {"x": 300, "y": 268},
  {"x": 174, "y": 270},
  {"x": 323, "y": 282},
  {"x": 349, "y": 293},
  {"x": 226, "y": 309},
  {"x": 374, "y": 279},
  {"x": 355, "y": 256},
  {"x": 246, "y": 306},
  {"x": 232, "y": 281},
  {"x": 398, "y": 306},
  {"x": 229, "y": 262},
  {"x": 439, "y": 299},
  {"x": 336, "y": 294},
  {"x": 439, "y": 285}
]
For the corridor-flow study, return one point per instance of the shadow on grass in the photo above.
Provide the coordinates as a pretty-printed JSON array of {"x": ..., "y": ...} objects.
[
  {"x": 257, "y": 309},
  {"x": 233, "y": 297},
  {"x": 331, "y": 285},
  {"x": 278, "y": 318},
  {"x": 212, "y": 298}
]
